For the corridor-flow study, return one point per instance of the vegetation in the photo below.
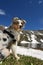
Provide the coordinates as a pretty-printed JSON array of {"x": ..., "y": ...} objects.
[{"x": 25, "y": 60}]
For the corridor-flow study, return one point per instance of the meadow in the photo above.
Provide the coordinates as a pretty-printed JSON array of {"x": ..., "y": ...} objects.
[{"x": 24, "y": 60}]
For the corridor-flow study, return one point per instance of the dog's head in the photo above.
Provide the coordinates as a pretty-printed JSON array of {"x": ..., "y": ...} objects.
[
  {"x": 4, "y": 38},
  {"x": 18, "y": 23}
]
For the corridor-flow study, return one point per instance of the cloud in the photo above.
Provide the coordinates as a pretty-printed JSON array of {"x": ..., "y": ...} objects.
[
  {"x": 40, "y": 2},
  {"x": 2, "y": 12}
]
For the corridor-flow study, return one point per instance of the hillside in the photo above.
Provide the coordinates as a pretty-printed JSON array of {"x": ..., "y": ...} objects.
[{"x": 33, "y": 39}]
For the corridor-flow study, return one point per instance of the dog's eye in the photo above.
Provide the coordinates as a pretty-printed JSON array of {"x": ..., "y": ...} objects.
[
  {"x": 4, "y": 39},
  {"x": 22, "y": 23},
  {"x": 15, "y": 22}
]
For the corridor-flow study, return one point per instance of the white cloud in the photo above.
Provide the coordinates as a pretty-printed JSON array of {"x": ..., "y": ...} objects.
[
  {"x": 40, "y": 2},
  {"x": 2, "y": 12}
]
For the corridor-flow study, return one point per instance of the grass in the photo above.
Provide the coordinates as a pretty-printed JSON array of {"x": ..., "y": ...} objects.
[{"x": 24, "y": 60}]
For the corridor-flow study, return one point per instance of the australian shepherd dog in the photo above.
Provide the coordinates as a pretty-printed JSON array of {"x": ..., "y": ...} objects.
[{"x": 10, "y": 37}]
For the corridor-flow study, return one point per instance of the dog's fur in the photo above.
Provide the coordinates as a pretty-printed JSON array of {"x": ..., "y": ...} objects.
[{"x": 11, "y": 41}]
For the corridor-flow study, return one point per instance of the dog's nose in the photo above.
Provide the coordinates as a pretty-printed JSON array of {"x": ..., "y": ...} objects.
[{"x": 4, "y": 39}]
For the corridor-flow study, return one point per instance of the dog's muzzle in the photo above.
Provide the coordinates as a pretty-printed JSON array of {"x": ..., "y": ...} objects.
[{"x": 20, "y": 27}]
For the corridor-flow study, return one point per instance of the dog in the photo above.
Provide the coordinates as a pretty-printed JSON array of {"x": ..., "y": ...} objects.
[
  {"x": 5, "y": 39},
  {"x": 11, "y": 37}
]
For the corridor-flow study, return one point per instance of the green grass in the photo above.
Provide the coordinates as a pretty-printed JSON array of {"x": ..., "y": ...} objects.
[{"x": 24, "y": 60}]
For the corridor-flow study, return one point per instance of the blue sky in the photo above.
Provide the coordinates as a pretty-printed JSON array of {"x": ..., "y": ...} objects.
[{"x": 30, "y": 10}]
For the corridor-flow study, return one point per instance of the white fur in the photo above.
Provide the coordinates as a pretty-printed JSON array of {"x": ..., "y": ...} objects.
[
  {"x": 14, "y": 46},
  {"x": 3, "y": 44},
  {"x": 20, "y": 22}
]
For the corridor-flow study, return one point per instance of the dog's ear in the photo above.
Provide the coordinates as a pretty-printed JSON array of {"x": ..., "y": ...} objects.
[
  {"x": 14, "y": 19},
  {"x": 2, "y": 27},
  {"x": 9, "y": 33},
  {"x": 24, "y": 21}
]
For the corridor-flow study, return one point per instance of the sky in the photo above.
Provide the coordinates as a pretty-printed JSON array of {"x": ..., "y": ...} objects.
[{"x": 29, "y": 10}]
